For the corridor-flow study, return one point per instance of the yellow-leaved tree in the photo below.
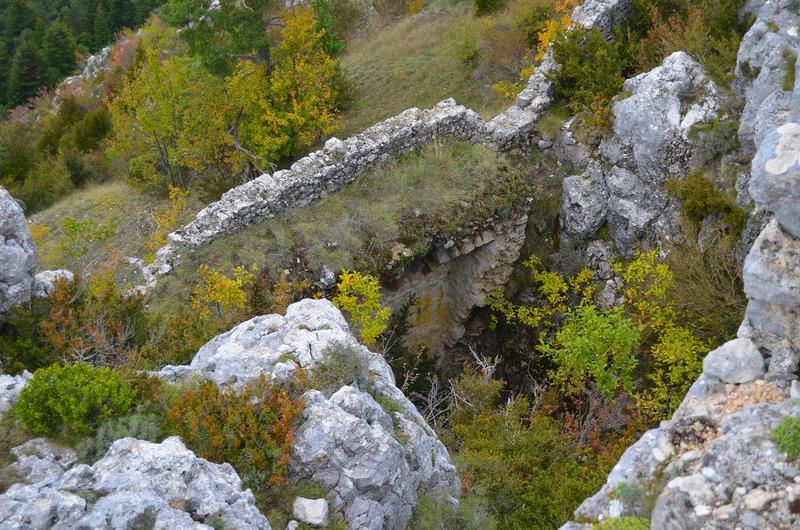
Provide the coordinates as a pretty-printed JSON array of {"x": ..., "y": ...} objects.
[
  {"x": 360, "y": 299},
  {"x": 170, "y": 121},
  {"x": 279, "y": 112}
]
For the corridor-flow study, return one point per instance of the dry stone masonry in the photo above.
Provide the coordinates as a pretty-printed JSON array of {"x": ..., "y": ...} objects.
[{"x": 341, "y": 161}]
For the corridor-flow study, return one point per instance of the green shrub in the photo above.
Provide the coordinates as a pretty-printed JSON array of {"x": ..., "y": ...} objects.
[
  {"x": 786, "y": 436},
  {"x": 701, "y": 198},
  {"x": 472, "y": 513},
  {"x": 484, "y": 7},
  {"x": 143, "y": 426},
  {"x": 72, "y": 400},
  {"x": 591, "y": 68},
  {"x": 21, "y": 346},
  {"x": 597, "y": 346},
  {"x": 340, "y": 366},
  {"x": 531, "y": 473}
]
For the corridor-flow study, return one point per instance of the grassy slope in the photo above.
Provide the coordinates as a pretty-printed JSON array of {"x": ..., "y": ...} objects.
[
  {"x": 413, "y": 63},
  {"x": 437, "y": 190},
  {"x": 114, "y": 202}
]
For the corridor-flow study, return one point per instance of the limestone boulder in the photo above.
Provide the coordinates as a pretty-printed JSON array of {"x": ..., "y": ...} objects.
[
  {"x": 17, "y": 254},
  {"x": 136, "y": 485}
]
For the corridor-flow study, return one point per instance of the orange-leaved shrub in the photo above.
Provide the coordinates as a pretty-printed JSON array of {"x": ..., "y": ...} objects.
[{"x": 251, "y": 429}]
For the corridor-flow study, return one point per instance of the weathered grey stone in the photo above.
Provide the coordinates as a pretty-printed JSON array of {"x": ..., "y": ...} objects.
[
  {"x": 44, "y": 283},
  {"x": 40, "y": 460},
  {"x": 17, "y": 254},
  {"x": 366, "y": 444},
  {"x": 311, "y": 511},
  {"x": 584, "y": 203},
  {"x": 602, "y": 14},
  {"x": 164, "y": 485},
  {"x": 770, "y": 269},
  {"x": 737, "y": 361},
  {"x": 10, "y": 387},
  {"x": 760, "y": 53},
  {"x": 775, "y": 176},
  {"x": 650, "y": 144},
  {"x": 740, "y": 480},
  {"x": 654, "y": 121}
]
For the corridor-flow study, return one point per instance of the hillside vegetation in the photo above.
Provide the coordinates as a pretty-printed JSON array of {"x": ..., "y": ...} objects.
[{"x": 557, "y": 371}]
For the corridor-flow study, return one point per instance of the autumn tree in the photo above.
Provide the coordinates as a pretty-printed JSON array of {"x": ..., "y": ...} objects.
[
  {"x": 170, "y": 120},
  {"x": 285, "y": 110}
]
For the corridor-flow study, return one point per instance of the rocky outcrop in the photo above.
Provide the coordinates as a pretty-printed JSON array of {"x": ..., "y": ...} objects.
[
  {"x": 715, "y": 464},
  {"x": 444, "y": 290},
  {"x": 17, "y": 254},
  {"x": 624, "y": 188},
  {"x": 136, "y": 484},
  {"x": 363, "y": 440},
  {"x": 40, "y": 460},
  {"x": 44, "y": 283},
  {"x": 761, "y": 68}
]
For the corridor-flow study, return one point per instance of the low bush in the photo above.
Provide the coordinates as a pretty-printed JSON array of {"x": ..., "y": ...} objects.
[
  {"x": 251, "y": 429},
  {"x": 144, "y": 426},
  {"x": 708, "y": 290},
  {"x": 701, "y": 199},
  {"x": 532, "y": 474},
  {"x": 472, "y": 513},
  {"x": 71, "y": 401},
  {"x": 624, "y": 523},
  {"x": 358, "y": 297},
  {"x": 340, "y": 366},
  {"x": 786, "y": 436},
  {"x": 591, "y": 69},
  {"x": 594, "y": 346},
  {"x": 484, "y": 7}
]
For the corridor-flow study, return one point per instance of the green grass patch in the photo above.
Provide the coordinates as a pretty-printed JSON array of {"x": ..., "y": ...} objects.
[
  {"x": 786, "y": 436},
  {"x": 434, "y": 192},
  {"x": 416, "y": 62},
  {"x": 128, "y": 209}
]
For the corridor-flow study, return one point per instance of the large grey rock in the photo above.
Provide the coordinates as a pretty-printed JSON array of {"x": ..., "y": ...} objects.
[
  {"x": 770, "y": 270},
  {"x": 775, "y": 176},
  {"x": 740, "y": 480},
  {"x": 602, "y": 14},
  {"x": 17, "y": 254},
  {"x": 366, "y": 444},
  {"x": 40, "y": 459},
  {"x": 273, "y": 345},
  {"x": 584, "y": 203},
  {"x": 137, "y": 483},
  {"x": 649, "y": 145},
  {"x": 10, "y": 387},
  {"x": 654, "y": 121},
  {"x": 760, "y": 53},
  {"x": 737, "y": 361}
]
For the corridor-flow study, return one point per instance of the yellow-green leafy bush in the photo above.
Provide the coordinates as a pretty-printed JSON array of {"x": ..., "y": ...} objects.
[
  {"x": 359, "y": 298},
  {"x": 72, "y": 400}
]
